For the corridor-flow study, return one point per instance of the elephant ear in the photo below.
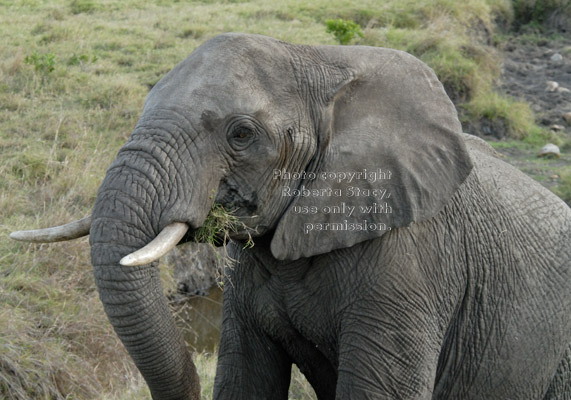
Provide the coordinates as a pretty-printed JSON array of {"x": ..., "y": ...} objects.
[{"x": 390, "y": 154}]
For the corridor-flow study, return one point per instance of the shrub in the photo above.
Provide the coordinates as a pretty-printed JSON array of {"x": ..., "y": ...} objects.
[{"x": 344, "y": 31}]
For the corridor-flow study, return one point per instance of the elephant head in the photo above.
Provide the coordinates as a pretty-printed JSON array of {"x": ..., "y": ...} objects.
[{"x": 267, "y": 129}]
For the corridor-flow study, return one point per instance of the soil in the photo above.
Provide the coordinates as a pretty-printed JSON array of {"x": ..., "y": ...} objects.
[
  {"x": 528, "y": 72},
  {"x": 540, "y": 73}
]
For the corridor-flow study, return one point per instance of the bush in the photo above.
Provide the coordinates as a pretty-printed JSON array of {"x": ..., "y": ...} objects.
[{"x": 344, "y": 31}]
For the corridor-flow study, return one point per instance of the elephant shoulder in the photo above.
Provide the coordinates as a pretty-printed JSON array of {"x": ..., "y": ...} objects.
[{"x": 513, "y": 189}]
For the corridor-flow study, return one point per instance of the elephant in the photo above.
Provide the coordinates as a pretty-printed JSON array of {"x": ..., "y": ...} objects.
[{"x": 394, "y": 256}]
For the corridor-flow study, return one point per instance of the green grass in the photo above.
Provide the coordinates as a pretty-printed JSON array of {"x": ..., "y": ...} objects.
[
  {"x": 218, "y": 226},
  {"x": 517, "y": 115},
  {"x": 73, "y": 78}
]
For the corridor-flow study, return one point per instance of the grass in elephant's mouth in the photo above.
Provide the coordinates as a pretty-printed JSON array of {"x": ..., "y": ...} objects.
[
  {"x": 218, "y": 226},
  {"x": 216, "y": 230}
]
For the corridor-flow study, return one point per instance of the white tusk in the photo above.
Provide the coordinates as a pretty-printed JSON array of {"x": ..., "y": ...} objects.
[
  {"x": 73, "y": 230},
  {"x": 158, "y": 247}
]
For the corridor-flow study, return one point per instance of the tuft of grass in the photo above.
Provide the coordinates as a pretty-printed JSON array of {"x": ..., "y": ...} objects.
[
  {"x": 517, "y": 115},
  {"x": 44, "y": 63},
  {"x": 218, "y": 226}
]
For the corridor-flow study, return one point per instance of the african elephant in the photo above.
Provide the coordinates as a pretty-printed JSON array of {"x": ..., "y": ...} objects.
[{"x": 394, "y": 258}]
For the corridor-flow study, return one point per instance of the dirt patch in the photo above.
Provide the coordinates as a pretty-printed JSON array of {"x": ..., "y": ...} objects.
[{"x": 540, "y": 73}]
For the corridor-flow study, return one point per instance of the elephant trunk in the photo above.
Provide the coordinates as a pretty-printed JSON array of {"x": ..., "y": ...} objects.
[
  {"x": 138, "y": 311},
  {"x": 129, "y": 212}
]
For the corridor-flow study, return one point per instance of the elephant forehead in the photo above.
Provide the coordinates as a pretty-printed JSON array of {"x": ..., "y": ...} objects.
[
  {"x": 222, "y": 87},
  {"x": 233, "y": 60}
]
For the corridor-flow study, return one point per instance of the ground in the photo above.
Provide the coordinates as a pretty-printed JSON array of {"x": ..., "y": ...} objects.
[
  {"x": 530, "y": 64},
  {"x": 527, "y": 69}
]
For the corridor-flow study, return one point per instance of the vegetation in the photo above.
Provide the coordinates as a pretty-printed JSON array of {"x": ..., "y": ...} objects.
[
  {"x": 218, "y": 226},
  {"x": 533, "y": 14},
  {"x": 73, "y": 78},
  {"x": 344, "y": 31}
]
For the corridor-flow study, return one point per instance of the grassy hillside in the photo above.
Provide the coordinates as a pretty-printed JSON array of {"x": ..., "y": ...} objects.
[{"x": 73, "y": 78}]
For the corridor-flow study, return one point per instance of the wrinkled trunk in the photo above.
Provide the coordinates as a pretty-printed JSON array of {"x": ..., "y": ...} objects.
[{"x": 127, "y": 215}]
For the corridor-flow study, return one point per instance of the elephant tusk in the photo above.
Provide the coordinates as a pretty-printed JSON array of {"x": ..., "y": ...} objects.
[
  {"x": 158, "y": 247},
  {"x": 73, "y": 230}
]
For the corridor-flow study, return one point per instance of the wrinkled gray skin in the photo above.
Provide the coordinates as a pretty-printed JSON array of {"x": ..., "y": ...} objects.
[{"x": 467, "y": 296}]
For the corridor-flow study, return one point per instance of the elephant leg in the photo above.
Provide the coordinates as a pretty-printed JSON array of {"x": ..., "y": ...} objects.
[
  {"x": 560, "y": 387},
  {"x": 377, "y": 364},
  {"x": 250, "y": 364}
]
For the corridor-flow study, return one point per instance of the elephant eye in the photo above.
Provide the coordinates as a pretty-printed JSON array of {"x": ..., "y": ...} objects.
[
  {"x": 242, "y": 133},
  {"x": 241, "y": 137}
]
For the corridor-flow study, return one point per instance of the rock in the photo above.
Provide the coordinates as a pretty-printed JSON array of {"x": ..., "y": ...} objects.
[
  {"x": 567, "y": 117},
  {"x": 556, "y": 128},
  {"x": 551, "y": 86},
  {"x": 549, "y": 151},
  {"x": 556, "y": 57}
]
